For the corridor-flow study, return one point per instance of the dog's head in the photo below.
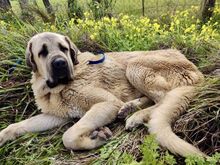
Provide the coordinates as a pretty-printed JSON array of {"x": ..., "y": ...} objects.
[{"x": 53, "y": 57}]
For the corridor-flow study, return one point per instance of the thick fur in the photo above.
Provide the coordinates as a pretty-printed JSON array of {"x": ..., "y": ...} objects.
[{"x": 97, "y": 93}]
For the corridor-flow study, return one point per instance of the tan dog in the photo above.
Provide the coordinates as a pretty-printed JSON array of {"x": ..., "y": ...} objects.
[{"x": 65, "y": 87}]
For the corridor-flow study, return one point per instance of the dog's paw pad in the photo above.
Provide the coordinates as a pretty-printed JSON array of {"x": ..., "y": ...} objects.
[
  {"x": 104, "y": 133},
  {"x": 126, "y": 110}
]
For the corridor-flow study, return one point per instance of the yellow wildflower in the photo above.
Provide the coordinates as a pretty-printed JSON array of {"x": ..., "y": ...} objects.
[
  {"x": 93, "y": 36},
  {"x": 156, "y": 26},
  {"x": 177, "y": 22},
  {"x": 71, "y": 22},
  {"x": 86, "y": 14},
  {"x": 106, "y": 19},
  {"x": 53, "y": 28},
  {"x": 125, "y": 17},
  {"x": 138, "y": 30},
  {"x": 79, "y": 21},
  {"x": 2, "y": 23}
]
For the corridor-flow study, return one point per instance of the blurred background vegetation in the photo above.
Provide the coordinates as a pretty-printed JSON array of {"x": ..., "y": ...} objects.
[
  {"x": 192, "y": 26},
  {"x": 100, "y": 8}
]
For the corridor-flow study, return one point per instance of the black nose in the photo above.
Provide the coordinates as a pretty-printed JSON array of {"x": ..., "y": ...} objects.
[{"x": 59, "y": 63}]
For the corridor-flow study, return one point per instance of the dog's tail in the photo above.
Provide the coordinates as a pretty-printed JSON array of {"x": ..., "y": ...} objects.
[{"x": 174, "y": 103}]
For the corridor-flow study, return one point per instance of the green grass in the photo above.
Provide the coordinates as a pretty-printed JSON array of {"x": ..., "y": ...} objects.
[{"x": 199, "y": 43}]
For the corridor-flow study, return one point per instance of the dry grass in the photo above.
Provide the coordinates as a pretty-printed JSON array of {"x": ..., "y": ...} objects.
[{"x": 201, "y": 124}]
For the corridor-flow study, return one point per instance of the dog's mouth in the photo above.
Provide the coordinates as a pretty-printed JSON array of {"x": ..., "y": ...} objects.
[
  {"x": 56, "y": 82},
  {"x": 59, "y": 77}
]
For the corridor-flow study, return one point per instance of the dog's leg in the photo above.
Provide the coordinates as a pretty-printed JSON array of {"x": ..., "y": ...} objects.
[
  {"x": 150, "y": 83},
  {"x": 81, "y": 136},
  {"x": 37, "y": 123},
  {"x": 134, "y": 105},
  {"x": 170, "y": 103},
  {"x": 87, "y": 132}
]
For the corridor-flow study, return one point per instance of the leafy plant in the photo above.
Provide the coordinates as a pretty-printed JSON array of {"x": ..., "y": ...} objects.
[{"x": 101, "y": 8}]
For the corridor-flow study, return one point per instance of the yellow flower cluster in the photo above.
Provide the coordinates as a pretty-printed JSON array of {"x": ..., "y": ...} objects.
[
  {"x": 130, "y": 32},
  {"x": 123, "y": 26},
  {"x": 126, "y": 32}
]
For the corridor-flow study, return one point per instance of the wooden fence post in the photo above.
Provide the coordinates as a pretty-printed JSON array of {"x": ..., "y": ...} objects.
[
  {"x": 49, "y": 9},
  {"x": 207, "y": 9}
]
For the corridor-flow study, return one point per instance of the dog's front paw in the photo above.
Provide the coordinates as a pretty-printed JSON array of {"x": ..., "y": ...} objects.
[
  {"x": 134, "y": 121},
  {"x": 103, "y": 133},
  {"x": 126, "y": 109},
  {"x": 7, "y": 134}
]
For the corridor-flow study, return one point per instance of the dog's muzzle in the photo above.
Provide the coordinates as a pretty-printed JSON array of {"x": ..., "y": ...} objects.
[
  {"x": 59, "y": 68},
  {"x": 60, "y": 72}
]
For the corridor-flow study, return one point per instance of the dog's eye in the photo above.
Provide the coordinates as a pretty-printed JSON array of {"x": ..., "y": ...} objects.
[
  {"x": 44, "y": 51},
  {"x": 63, "y": 48}
]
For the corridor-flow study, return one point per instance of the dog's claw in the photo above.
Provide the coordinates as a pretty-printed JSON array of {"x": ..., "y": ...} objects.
[
  {"x": 108, "y": 132},
  {"x": 103, "y": 133},
  {"x": 126, "y": 110},
  {"x": 94, "y": 134}
]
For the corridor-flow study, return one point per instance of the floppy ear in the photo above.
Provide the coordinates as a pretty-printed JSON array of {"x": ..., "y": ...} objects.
[
  {"x": 73, "y": 50},
  {"x": 30, "y": 58}
]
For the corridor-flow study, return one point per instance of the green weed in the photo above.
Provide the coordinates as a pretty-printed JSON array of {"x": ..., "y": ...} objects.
[{"x": 151, "y": 155}]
